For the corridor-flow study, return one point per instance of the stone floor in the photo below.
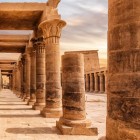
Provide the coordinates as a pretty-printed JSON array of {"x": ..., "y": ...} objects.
[{"x": 19, "y": 122}]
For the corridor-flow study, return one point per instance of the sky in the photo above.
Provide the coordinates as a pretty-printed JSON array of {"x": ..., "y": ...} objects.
[{"x": 86, "y": 25}]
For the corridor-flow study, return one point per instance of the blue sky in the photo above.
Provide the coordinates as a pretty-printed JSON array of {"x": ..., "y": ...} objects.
[{"x": 86, "y": 24}]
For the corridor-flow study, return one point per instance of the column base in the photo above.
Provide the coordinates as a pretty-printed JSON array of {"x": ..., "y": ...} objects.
[
  {"x": 51, "y": 113},
  {"x": 38, "y": 106},
  {"x": 80, "y": 127}
]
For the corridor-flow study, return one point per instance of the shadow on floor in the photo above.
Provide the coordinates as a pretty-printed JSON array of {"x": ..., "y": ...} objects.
[
  {"x": 19, "y": 116},
  {"x": 36, "y": 130},
  {"x": 16, "y": 109},
  {"x": 10, "y": 101}
]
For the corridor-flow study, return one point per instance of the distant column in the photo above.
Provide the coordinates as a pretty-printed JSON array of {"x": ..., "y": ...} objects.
[
  {"x": 87, "y": 83},
  {"x": 52, "y": 32},
  {"x": 105, "y": 75},
  {"x": 91, "y": 82},
  {"x": 96, "y": 82},
  {"x": 24, "y": 77},
  {"x": 33, "y": 78},
  {"x": 40, "y": 74},
  {"x": 73, "y": 121},
  {"x": 19, "y": 78},
  {"x": 27, "y": 82},
  {"x": 101, "y": 82}
]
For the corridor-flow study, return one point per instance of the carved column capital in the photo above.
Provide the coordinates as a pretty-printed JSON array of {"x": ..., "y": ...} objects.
[
  {"x": 39, "y": 45},
  {"x": 52, "y": 30}
]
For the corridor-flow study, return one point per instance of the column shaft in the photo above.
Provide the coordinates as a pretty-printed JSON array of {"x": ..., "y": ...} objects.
[
  {"x": 73, "y": 84},
  {"x": 52, "y": 32},
  {"x": 101, "y": 82},
  {"x": 91, "y": 82},
  {"x": 27, "y": 80},
  {"x": 123, "y": 89},
  {"x": 87, "y": 83},
  {"x": 96, "y": 82},
  {"x": 40, "y": 75},
  {"x": 33, "y": 79}
]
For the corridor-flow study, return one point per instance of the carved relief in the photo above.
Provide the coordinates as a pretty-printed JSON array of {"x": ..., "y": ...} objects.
[
  {"x": 39, "y": 45},
  {"x": 52, "y": 30},
  {"x": 125, "y": 109},
  {"x": 128, "y": 61}
]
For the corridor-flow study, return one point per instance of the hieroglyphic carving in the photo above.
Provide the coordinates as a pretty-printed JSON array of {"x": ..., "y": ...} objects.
[
  {"x": 125, "y": 109},
  {"x": 128, "y": 61}
]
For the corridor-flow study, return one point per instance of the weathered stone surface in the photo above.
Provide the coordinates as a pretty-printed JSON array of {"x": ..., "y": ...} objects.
[
  {"x": 40, "y": 75},
  {"x": 52, "y": 32},
  {"x": 123, "y": 71},
  {"x": 33, "y": 78},
  {"x": 73, "y": 121}
]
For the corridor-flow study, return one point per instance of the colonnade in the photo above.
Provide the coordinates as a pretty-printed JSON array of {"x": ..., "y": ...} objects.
[
  {"x": 36, "y": 76},
  {"x": 95, "y": 82}
]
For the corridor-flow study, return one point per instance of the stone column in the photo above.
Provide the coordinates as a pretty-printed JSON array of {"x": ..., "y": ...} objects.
[
  {"x": 27, "y": 82},
  {"x": 101, "y": 82},
  {"x": 91, "y": 82},
  {"x": 87, "y": 83},
  {"x": 33, "y": 78},
  {"x": 15, "y": 79},
  {"x": 96, "y": 82},
  {"x": 19, "y": 79},
  {"x": 51, "y": 32},
  {"x": 73, "y": 121},
  {"x": 23, "y": 84},
  {"x": 40, "y": 74},
  {"x": 0, "y": 81},
  {"x": 105, "y": 75},
  {"x": 123, "y": 90}
]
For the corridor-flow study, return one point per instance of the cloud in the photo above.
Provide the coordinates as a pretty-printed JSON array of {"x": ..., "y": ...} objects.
[{"x": 86, "y": 25}]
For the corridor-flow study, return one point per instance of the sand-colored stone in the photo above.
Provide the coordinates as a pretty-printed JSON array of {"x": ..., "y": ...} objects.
[
  {"x": 89, "y": 56},
  {"x": 19, "y": 121},
  {"x": 123, "y": 118},
  {"x": 33, "y": 78},
  {"x": 73, "y": 121},
  {"x": 52, "y": 32},
  {"x": 40, "y": 74},
  {"x": 27, "y": 75}
]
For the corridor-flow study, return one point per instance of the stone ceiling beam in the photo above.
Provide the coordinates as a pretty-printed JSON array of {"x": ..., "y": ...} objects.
[
  {"x": 20, "y": 16},
  {"x": 14, "y": 38}
]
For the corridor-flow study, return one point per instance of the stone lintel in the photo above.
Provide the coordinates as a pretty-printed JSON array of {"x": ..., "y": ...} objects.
[
  {"x": 14, "y": 38},
  {"x": 83, "y": 52},
  {"x": 20, "y": 16}
]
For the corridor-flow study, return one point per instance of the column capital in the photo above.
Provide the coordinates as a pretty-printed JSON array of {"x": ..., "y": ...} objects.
[
  {"x": 52, "y": 29},
  {"x": 39, "y": 45}
]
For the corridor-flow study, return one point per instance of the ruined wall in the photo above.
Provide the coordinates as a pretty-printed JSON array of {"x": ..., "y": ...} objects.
[{"x": 91, "y": 59}]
